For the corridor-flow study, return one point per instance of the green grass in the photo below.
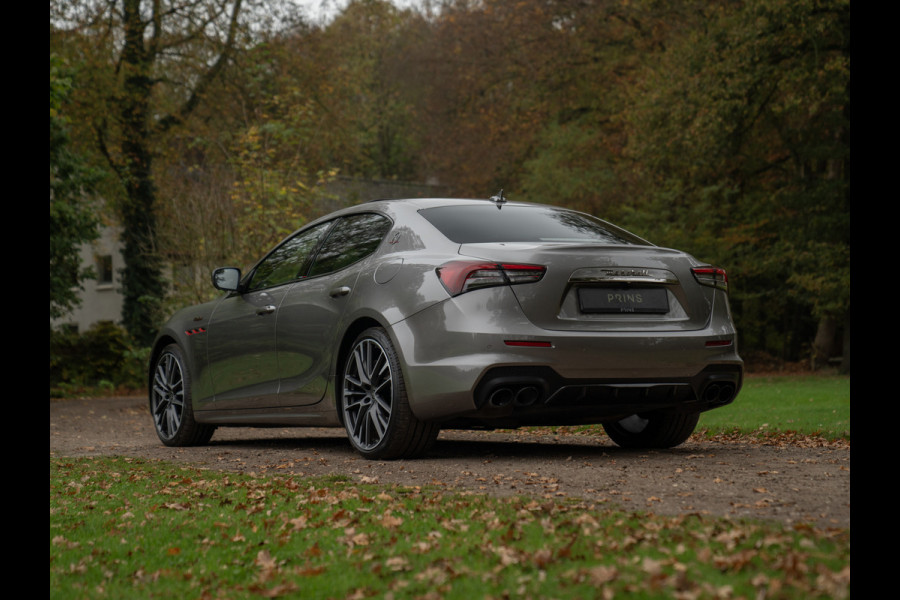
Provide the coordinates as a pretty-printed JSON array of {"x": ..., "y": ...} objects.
[
  {"x": 129, "y": 528},
  {"x": 805, "y": 404},
  {"x": 773, "y": 406}
]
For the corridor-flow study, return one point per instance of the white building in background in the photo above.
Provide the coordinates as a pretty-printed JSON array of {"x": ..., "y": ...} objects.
[{"x": 101, "y": 299}]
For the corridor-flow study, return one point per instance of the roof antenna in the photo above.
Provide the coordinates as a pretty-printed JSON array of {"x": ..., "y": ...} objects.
[{"x": 499, "y": 199}]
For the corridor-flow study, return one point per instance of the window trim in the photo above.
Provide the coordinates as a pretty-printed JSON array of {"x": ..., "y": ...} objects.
[
  {"x": 331, "y": 232},
  {"x": 251, "y": 274},
  {"x": 314, "y": 254}
]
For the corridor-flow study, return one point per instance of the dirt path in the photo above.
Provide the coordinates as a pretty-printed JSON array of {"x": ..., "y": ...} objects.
[{"x": 788, "y": 483}]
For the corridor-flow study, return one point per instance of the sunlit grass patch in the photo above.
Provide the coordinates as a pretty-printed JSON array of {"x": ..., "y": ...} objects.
[{"x": 804, "y": 404}]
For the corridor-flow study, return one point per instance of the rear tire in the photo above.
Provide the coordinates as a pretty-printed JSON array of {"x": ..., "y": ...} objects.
[
  {"x": 374, "y": 404},
  {"x": 652, "y": 430},
  {"x": 171, "y": 405}
]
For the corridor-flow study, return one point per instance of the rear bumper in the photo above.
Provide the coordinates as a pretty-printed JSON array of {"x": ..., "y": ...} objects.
[
  {"x": 460, "y": 369},
  {"x": 515, "y": 396}
]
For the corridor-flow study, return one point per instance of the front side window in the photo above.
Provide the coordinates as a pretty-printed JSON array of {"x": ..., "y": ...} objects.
[
  {"x": 353, "y": 238},
  {"x": 289, "y": 260}
]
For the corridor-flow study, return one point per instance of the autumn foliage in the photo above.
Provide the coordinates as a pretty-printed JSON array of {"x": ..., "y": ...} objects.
[{"x": 718, "y": 127}]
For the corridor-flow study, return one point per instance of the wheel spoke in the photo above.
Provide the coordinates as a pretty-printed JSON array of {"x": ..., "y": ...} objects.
[
  {"x": 159, "y": 379},
  {"x": 168, "y": 368},
  {"x": 359, "y": 421},
  {"x": 380, "y": 386},
  {"x": 379, "y": 421},
  {"x": 159, "y": 407},
  {"x": 384, "y": 371},
  {"x": 383, "y": 405},
  {"x": 362, "y": 370},
  {"x": 172, "y": 420},
  {"x": 353, "y": 398}
]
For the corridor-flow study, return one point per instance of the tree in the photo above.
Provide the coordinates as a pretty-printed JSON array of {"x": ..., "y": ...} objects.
[
  {"x": 741, "y": 132},
  {"x": 152, "y": 64},
  {"x": 72, "y": 221},
  {"x": 351, "y": 81},
  {"x": 251, "y": 167},
  {"x": 490, "y": 83},
  {"x": 579, "y": 157}
]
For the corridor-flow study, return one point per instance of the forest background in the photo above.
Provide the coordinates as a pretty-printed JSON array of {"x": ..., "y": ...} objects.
[{"x": 209, "y": 129}]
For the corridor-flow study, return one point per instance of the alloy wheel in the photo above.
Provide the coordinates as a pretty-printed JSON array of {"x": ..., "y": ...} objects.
[
  {"x": 368, "y": 394},
  {"x": 168, "y": 396}
]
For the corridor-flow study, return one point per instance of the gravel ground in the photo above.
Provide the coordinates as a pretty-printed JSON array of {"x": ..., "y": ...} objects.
[{"x": 793, "y": 483}]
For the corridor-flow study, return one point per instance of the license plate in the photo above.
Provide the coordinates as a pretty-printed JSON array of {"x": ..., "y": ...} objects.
[{"x": 623, "y": 300}]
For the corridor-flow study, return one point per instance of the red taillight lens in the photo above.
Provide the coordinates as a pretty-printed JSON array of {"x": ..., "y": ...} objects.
[
  {"x": 718, "y": 343},
  {"x": 711, "y": 276},
  {"x": 461, "y": 276},
  {"x": 528, "y": 344},
  {"x": 523, "y": 273}
]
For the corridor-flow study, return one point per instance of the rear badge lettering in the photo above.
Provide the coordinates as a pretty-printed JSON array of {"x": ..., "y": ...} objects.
[
  {"x": 626, "y": 272},
  {"x": 632, "y": 298}
]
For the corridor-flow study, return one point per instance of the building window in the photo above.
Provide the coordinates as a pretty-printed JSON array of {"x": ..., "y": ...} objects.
[{"x": 104, "y": 269}]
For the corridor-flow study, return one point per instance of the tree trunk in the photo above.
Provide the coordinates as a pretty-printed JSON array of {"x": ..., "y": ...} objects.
[
  {"x": 142, "y": 282},
  {"x": 845, "y": 354},
  {"x": 823, "y": 346}
]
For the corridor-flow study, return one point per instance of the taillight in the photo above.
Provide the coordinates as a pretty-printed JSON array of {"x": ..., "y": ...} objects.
[
  {"x": 461, "y": 276},
  {"x": 711, "y": 276}
]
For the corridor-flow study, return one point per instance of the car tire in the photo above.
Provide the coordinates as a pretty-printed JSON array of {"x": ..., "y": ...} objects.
[
  {"x": 171, "y": 404},
  {"x": 652, "y": 430},
  {"x": 374, "y": 405}
]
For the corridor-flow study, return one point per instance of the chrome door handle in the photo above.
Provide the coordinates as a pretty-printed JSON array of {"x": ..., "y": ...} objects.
[
  {"x": 340, "y": 291},
  {"x": 266, "y": 310}
]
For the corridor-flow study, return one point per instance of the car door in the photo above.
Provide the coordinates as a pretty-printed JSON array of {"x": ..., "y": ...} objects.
[
  {"x": 310, "y": 320},
  {"x": 243, "y": 362}
]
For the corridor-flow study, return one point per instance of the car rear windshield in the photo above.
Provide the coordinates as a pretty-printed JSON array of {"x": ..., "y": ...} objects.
[{"x": 511, "y": 223}]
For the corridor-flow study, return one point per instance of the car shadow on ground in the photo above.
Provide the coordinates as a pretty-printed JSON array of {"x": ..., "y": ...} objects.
[
  {"x": 452, "y": 446},
  {"x": 460, "y": 449}
]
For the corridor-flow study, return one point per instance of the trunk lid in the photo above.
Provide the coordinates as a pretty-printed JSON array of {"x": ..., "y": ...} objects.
[{"x": 600, "y": 287}]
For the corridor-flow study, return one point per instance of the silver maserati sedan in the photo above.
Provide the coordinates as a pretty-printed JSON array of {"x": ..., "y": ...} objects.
[{"x": 397, "y": 318}]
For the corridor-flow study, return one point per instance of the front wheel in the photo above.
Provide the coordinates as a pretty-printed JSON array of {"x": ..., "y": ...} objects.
[
  {"x": 652, "y": 430},
  {"x": 374, "y": 404},
  {"x": 170, "y": 401}
]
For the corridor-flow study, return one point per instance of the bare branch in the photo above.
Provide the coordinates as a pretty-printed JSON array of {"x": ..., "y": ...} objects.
[
  {"x": 208, "y": 77},
  {"x": 156, "y": 18},
  {"x": 99, "y": 131}
]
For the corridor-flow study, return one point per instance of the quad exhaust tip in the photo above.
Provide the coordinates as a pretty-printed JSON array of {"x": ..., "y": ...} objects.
[
  {"x": 527, "y": 396},
  {"x": 518, "y": 396},
  {"x": 719, "y": 392}
]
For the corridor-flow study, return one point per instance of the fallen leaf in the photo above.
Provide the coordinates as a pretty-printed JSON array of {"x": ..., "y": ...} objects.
[{"x": 390, "y": 521}]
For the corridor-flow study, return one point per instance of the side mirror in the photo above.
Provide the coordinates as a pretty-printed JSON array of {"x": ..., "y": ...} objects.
[{"x": 227, "y": 279}]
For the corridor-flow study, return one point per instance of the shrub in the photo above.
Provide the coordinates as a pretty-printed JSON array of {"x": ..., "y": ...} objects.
[{"x": 103, "y": 356}]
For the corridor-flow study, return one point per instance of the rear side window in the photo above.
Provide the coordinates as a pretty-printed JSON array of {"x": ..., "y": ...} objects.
[
  {"x": 483, "y": 224},
  {"x": 353, "y": 238}
]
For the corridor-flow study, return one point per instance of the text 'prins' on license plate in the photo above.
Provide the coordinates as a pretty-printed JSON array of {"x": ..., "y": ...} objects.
[{"x": 623, "y": 300}]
